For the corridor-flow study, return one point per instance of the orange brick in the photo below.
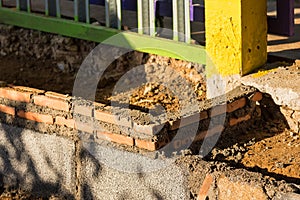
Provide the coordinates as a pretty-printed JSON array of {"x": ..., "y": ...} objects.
[
  {"x": 237, "y": 104},
  {"x": 234, "y": 121},
  {"x": 15, "y": 95},
  {"x": 257, "y": 96},
  {"x": 28, "y": 89},
  {"x": 179, "y": 143},
  {"x": 218, "y": 110},
  {"x": 83, "y": 110},
  {"x": 210, "y": 132},
  {"x": 151, "y": 129},
  {"x": 105, "y": 116},
  {"x": 35, "y": 117},
  {"x": 84, "y": 126},
  {"x": 188, "y": 120},
  {"x": 64, "y": 97},
  {"x": 7, "y": 109},
  {"x": 144, "y": 144},
  {"x": 50, "y": 102},
  {"x": 100, "y": 105},
  {"x": 65, "y": 122},
  {"x": 117, "y": 138},
  {"x": 207, "y": 183}
]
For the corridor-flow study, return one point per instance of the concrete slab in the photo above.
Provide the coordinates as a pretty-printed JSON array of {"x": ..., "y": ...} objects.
[
  {"x": 281, "y": 83},
  {"x": 39, "y": 163}
]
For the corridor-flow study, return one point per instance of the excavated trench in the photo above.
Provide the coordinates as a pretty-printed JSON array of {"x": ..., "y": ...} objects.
[{"x": 263, "y": 144}]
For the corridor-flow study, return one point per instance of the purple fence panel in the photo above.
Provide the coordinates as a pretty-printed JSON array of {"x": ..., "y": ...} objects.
[{"x": 283, "y": 23}]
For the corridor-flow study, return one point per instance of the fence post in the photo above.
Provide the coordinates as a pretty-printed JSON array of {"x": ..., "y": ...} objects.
[{"x": 236, "y": 35}]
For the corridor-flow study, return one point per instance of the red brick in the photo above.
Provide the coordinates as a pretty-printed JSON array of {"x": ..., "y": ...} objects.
[
  {"x": 105, "y": 116},
  {"x": 207, "y": 183},
  {"x": 144, "y": 144},
  {"x": 218, "y": 110},
  {"x": 7, "y": 109},
  {"x": 234, "y": 121},
  {"x": 125, "y": 122},
  {"x": 257, "y": 96},
  {"x": 83, "y": 110},
  {"x": 84, "y": 126},
  {"x": 117, "y": 138},
  {"x": 210, "y": 132},
  {"x": 200, "y": 136},
  {"x": 64, "y": 97},
  {"x": 177, "y": 144},
  {"x": 50, "y": 102},
  {"x": 100, "y": 105},
  {"x": 28, "y": 89},
  {"x": 36, "y": 117},
  {"x": 188, "y": 120},
  {"x": 237, "y": 104},
  {"x": 148, "y": 129},
  {"x": 15, "y": 95},
  {"x": 65, "y": 122}
]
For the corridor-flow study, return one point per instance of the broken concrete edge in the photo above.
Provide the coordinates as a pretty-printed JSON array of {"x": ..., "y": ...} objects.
[
  {"x": 281, "y": 84},
  {"x": 62, "y": 111},
  {"x": 292, "y": 117},
  {"x": 280, "y": 80}
]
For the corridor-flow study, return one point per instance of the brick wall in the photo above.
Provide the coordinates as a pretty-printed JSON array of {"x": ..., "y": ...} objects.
[{"x": 67, "y": 115}]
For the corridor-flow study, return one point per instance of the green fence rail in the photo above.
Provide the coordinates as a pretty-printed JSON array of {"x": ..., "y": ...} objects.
[{"x": 145, "y": 40}]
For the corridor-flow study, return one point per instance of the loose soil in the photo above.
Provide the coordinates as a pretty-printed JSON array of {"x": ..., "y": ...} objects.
[
  {"x": 266, "y": 147},
  {"x": 51, "y": 62}
]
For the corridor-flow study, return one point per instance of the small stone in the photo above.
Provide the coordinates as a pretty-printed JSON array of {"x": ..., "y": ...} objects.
[
  {"x": 226, "y": 152},
  {"x": 279, "y": 165},
  {"x": 61, "y": 66},
  {"x": 239, "y": 156},
  {"x": 292, "y": 134}
]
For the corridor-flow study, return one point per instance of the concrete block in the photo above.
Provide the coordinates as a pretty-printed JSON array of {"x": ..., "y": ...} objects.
[
  {"x": 38, "y": 163},
  {"x": 108, "y": 173}
]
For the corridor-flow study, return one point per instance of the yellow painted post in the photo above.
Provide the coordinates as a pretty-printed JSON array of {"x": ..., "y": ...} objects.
[{"x": 236, "y": 35}]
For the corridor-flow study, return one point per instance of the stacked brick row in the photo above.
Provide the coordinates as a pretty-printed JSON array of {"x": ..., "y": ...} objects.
[{"x": 63, "y": 112}]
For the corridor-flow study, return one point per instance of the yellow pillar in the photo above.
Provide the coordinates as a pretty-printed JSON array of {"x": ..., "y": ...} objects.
[{"x": 236, "y": 35}]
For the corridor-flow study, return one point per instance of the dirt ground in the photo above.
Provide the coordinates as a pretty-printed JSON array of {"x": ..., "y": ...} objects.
[{"x": 267, "y": 147}]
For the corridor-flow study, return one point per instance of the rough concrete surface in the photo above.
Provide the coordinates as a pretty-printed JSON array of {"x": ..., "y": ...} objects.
[
  {"x": 39, "y": 163},
  {"x": 281, "y": 83},
  {"x": 108, "y": 173}
]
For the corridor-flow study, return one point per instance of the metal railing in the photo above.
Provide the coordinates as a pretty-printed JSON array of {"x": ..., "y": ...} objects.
[{"x": 74, "y": 18}]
